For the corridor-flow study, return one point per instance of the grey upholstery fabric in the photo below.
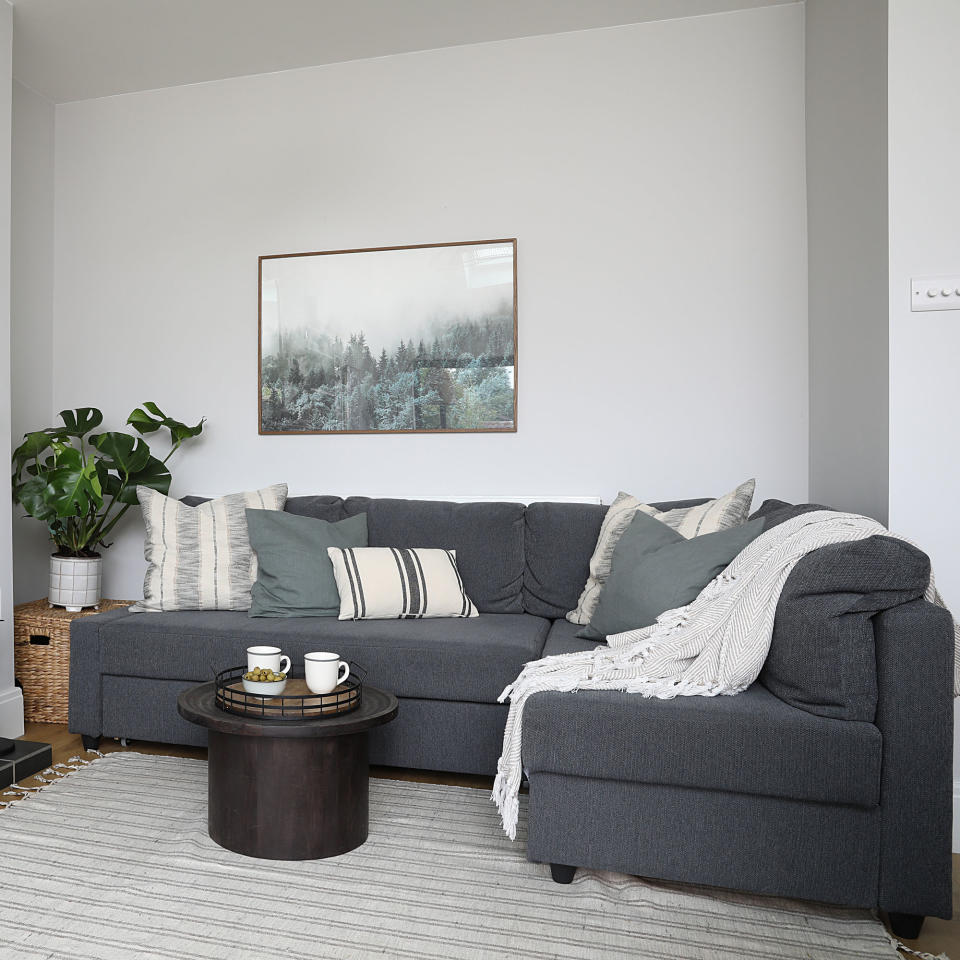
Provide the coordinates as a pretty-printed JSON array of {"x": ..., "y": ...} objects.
[
  {"x": 85, "y": 701},
  {"x": 749, "y": 743},
  {"x": 442, "y": 735},
  {"x": 470, "y": 659},
  {"x": 146, "y": 709},
  {"x": 790, "y": 848},
  {"x": 563, "y": 638},
  {"x": 319, "y": 507},
  {"x": 821, "y": 656},
  {"x": 426, "y": 735},
  {"x": 774, "y": 512},
  {"x": 559, "y": 539},
  {"x": 914, "y": 650},
  {"x": 488, "y": 538}
]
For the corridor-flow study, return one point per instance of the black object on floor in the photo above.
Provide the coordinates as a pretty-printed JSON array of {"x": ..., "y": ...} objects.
[
  {"x": 906, "y": 926},
  {"x": 24, "y": 761},
  {"x": 562, "y": 873},
  {"x": 6, "y": 746},
  {"x": 90, "y": 743}
]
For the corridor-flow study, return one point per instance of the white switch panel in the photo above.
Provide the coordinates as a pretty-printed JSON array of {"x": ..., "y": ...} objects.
[{"x": 935, "y": 293}]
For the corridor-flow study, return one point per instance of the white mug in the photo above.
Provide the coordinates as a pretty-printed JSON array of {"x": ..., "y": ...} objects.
[
  {"x": 324, "y": 671},
  {"x": 267, "y": 658}
]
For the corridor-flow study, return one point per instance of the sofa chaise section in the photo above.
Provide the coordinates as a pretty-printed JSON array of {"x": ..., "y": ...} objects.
[{"x": 758, "y": 794}]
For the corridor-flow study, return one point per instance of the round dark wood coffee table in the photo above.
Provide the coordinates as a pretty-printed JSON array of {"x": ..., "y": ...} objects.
[{"x": 290, "y": 790}]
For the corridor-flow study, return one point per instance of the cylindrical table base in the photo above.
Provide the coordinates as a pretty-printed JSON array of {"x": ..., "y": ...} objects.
[{"x": 288, "y": 798}]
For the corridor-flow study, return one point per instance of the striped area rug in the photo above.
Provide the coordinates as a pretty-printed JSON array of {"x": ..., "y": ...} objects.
[{"x": 114, "y": 862}]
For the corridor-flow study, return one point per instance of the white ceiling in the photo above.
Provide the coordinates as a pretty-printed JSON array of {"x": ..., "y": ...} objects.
[{"x": 78, "y": 49}]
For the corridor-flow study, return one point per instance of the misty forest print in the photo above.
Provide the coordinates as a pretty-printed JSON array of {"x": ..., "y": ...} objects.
[{"x": 402, "y": 339}]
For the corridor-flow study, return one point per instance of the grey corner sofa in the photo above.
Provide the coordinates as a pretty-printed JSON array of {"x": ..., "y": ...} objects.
[{"x": 829, "y": 779}]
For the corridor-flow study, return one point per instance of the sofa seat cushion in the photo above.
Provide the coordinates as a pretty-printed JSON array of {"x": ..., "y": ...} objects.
[
  {"x": 750, "y": 743},
  {"x": 563, "y": 638},
  {"x": 470, "y": 659}
]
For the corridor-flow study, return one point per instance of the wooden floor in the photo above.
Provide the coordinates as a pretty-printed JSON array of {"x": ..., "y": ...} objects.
[{"x": 937, "y": 936}]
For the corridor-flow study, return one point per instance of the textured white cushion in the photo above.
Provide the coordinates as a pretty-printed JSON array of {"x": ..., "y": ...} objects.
[
  {"x": 731, "y": 509},
  {"x": 389, "y": 583},
  {"x": 200, "y": 557}
]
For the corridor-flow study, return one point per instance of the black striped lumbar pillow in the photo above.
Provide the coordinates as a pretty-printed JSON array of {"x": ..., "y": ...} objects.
[{"x": 389, "y": 583}]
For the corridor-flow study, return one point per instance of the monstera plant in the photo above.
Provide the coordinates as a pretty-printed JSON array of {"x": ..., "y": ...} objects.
[{"x": 80, "y": 483}]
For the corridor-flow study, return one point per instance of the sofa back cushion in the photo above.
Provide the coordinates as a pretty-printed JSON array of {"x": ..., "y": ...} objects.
[
  {"x": 822, "y": 657},
  {"x": 488, "y": 539},
  {"x": 559, "y": 540},
  {"x": 320, "y": 507}
]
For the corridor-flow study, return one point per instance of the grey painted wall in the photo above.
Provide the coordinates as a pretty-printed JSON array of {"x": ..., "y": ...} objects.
[
  {"x": 925, "y": 241},
  {"x": 31, "y": 292},
  {"x": 846, "y": 132},
  {"x": 652, "y": 173}
]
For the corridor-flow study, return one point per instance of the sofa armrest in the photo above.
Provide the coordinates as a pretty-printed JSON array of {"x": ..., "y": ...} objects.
[
  {"x": 85, "y": 669},
  {"x": 822, "y": 657},
  {"x": 914, "y": 650}
]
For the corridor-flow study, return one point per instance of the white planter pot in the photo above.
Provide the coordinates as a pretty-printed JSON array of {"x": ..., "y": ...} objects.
[{"x": 74, "y": 582}]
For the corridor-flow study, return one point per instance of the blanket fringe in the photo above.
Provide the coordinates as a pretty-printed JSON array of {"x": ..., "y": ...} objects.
[{"x": 903, "y": 948}]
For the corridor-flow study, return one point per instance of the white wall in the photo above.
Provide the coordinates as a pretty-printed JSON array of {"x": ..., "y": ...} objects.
[
  {"x": 31, "y": 309},
  {"x": 924, "y": 76},
  {"x": 652, "y": 173},
  {"x": 846, "y": 118},
  {"x": 11, "y": 703}
]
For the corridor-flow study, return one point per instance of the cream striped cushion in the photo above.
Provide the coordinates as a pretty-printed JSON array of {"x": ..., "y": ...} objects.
[
  {"x": 200, "y": 557},
  {"x": 390, "y": 583},
  {"x": 730, "y": 510}
]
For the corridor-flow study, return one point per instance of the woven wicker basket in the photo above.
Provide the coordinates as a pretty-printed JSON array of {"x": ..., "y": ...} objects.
[{"x": 41, "y": 657}]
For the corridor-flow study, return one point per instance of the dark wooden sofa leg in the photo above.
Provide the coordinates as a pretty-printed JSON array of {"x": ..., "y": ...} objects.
[
  {"x": 90, "y": 743},
  {"x": 905, "y": 925},
  {"x": 561, "y": 873}
]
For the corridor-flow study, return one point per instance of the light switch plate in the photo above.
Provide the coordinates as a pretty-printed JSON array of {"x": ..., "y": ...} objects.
[{"x": 935, "y": 293}]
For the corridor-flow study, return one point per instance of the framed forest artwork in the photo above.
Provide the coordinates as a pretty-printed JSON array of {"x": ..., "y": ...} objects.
[{"x": 418, "y": 339}]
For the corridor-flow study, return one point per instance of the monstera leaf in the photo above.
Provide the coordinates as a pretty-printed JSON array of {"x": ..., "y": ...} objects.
[
  {"x": 154, "y": 475},
  {"x": 34, "y": 444},
  {"x": 79, "y": 422},
  {"x": 36, "y": 498},
  {"x": 71, "y": 488},
  {"x": 150, "y": 418},
  {"x": 121, "y": 452}
]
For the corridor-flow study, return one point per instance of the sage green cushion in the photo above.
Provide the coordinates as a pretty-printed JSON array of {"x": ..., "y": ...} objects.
[
  {"x": 294, "y": 572},
  {"x": 656, "y": 569}
]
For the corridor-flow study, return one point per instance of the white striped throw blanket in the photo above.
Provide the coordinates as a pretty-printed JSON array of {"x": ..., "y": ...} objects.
[{"x": 715, "y": 645}]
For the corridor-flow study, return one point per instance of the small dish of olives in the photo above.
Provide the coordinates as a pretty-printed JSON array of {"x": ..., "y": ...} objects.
[{"x": 264, "y": 683}]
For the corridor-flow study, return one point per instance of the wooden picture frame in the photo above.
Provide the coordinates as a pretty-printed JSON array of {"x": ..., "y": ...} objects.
[{"x": 406, "y": 339}]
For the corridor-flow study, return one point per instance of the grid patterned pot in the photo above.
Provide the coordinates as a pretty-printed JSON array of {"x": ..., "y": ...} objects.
[{"x": 74, "y": 582}]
